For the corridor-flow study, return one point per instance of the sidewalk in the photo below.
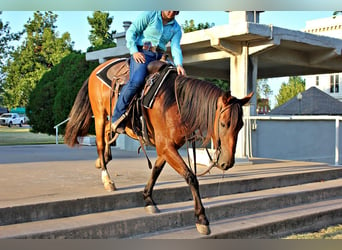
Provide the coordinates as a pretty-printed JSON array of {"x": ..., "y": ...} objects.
[{"x": 41, "y": 173}]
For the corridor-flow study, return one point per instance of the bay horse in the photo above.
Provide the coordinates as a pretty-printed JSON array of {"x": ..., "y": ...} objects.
[{"x": 182, "y": 106}]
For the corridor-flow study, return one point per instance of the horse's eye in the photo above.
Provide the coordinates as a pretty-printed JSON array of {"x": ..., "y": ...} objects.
[{"x": 223, "y": 125}]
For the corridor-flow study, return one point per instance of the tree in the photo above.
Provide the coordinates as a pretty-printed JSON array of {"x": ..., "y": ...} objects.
[
  {"x": 190, "y": 26},
  {"x": 295, "y": 85},
  {"x": 336, "y": 13},
  {"x": 263, "y": 89},
  {"x": 51, "y": 101},
  {"x": 100, "y": 37},
  {"x": 38, "y": 53},
  {"x": 6, "y": 48}
]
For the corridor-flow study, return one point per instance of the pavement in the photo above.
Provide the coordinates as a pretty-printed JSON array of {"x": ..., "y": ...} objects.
[{"x": 40, "y": 173}]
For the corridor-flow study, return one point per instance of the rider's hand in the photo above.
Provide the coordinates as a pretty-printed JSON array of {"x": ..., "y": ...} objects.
[
  {"x": 181, "y": 70},
  {"x": 139, "y": 57}
]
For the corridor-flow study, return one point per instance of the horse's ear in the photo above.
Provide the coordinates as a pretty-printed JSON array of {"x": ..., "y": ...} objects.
[
  {"x": 227, "y": 97},
  {"x": 246, "y": 99}
]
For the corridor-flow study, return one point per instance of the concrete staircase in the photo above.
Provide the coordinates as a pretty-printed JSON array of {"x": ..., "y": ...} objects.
[{"x": 264, "y": 206}]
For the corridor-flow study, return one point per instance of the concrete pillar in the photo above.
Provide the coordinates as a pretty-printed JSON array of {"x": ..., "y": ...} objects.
[
  {"x": 243, "y": 78},
  {"x": 244, "y": 16}
]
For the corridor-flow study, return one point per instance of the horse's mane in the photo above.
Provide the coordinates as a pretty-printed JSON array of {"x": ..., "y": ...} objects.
[{"x": 197, "y": 102}]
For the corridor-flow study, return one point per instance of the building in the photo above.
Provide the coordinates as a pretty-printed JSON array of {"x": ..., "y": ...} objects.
[
  {"x": 313, "y": 101},
  {"x": 243, "y": 51},
  {"x": 263, "y": 106},
  {"x": 329, "y": 83}
]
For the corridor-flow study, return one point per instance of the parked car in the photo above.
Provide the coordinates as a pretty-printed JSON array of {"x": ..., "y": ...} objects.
[{"x": 9, "y": 119}]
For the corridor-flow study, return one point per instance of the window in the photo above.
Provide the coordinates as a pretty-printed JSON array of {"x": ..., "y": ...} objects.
[
  {"x": 334, "y": 84},
  {"x": 317, "y": 80}
]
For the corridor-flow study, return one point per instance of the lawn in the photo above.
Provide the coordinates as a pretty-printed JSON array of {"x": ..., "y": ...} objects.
[
  {"x": 333, "y": 232},
  {"x": 23, "y": 136}
]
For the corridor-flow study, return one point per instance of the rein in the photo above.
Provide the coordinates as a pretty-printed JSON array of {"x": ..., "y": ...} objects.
[
  {"x": 213, "y": 163},
  {"x": 194, "y": 138}
]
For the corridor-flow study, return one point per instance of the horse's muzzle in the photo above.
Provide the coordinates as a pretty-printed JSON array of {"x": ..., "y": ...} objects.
[{"x": 226, "y": 165}]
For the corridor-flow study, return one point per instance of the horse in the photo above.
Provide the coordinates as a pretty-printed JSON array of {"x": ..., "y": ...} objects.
[{"x": 182, "y": 107}]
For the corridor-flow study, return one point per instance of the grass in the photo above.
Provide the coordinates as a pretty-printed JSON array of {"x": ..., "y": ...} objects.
[
  {"x": 23, "y": 136},
  {"x": 332, "y": 232}
]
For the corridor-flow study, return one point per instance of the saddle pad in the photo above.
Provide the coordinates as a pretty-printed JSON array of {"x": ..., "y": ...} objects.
[
  {"x": 102, "y": 74},
  {"x": 153, "y": 85}
]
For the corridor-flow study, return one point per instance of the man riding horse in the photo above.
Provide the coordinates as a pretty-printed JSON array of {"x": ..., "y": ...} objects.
[
  {"x": 184, "y": 106},
  {"x": 146, "y": 40}
]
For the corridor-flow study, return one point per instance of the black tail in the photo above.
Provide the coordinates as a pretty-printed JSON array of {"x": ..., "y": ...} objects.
[{"x": 80, "y": 117}]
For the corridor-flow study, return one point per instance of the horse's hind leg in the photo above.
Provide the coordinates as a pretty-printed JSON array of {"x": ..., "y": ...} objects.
[
  {"x": 107, "y": 151},
  {"x": 100, "y": 162},
  {"x": 108, "y": 136},
  {"x": 175, "y": 160},
  {"x": 150, "y": 205}
]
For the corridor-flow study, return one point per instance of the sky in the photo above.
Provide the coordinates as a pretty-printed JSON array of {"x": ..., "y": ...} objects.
[{"x": 75, "y": 22}]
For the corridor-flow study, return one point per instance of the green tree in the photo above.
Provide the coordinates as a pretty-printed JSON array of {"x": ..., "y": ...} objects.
[
  {"x": 100, "y": 37},
  {"x": 295, "y": 85},
  {"x": 263, "y": 89},
  {"x": 337, "y": 12},
  {"x": 190, "y": 26},
  {"x": 39, "y": 52},
  {"x": 50, "y": 102},
  {"x": 6, "y": 47}
]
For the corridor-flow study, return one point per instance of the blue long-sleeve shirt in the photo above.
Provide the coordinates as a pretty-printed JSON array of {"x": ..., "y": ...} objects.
[{"x": 148, "y": 27}]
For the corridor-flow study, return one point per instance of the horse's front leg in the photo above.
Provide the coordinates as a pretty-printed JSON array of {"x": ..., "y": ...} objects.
[
  {"x": 150, "y": 205},
  {"x": 176, "y": 161}
]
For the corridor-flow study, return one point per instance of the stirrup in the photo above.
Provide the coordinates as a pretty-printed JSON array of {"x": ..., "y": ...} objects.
[{"x": 117, "y": 123}]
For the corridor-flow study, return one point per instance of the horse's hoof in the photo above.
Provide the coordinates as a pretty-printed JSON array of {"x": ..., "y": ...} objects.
[
  {"x": 203, "y": 229},
  {"x": 152, "y": 209},
  {"x": 98, "y": 163},
  {"x": 109, "y": 186}
]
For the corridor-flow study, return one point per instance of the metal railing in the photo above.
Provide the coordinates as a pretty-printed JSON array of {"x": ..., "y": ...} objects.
[
  {"x": 56, "y": 128},
  {"x": 61, "y": 123}
]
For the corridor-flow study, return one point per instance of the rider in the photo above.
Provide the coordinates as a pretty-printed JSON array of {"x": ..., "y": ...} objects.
[{"x": 146, "y": 40}]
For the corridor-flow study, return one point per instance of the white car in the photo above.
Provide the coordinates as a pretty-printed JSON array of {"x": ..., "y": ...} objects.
[{"x": 9, "y": 119}]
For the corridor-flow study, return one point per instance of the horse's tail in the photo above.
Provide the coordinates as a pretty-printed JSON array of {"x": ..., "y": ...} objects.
[{"x": 80, "y": 117}]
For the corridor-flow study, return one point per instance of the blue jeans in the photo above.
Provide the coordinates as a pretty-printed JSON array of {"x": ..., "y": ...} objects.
[{"x": 138, "y": 72}]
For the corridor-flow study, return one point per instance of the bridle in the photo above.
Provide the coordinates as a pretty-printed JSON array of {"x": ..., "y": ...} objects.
[{"x": 217, "y": 153}]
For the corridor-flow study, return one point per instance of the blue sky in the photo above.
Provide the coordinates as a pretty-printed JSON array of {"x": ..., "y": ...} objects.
[{"x": 75, "y": 22}]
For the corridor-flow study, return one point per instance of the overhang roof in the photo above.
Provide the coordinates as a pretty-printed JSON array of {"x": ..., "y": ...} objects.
[{"x": 280, "y": 52}]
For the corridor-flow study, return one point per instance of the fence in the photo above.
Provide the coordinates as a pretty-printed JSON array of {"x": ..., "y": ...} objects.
[{"x": 314, "y": 138}]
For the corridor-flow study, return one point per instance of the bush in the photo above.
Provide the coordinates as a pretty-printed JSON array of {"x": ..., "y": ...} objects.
[{"x": 50, "y": 102}]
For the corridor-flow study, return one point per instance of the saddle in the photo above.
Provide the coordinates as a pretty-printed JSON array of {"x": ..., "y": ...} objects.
[
  {"x": 145, "y": 99},
  {"x": 116, "y": 74},
  {"x": 116, "y": 71}
]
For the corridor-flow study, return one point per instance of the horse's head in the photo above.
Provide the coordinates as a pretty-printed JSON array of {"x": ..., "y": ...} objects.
[{"x": 228, "y": 123}]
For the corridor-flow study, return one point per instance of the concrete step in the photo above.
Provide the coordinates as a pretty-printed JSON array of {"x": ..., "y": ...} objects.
[
  {"x": 171, "y": 192},
  {"x": 271, "y": 224},
  {"x": 285, "y": 202}
]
